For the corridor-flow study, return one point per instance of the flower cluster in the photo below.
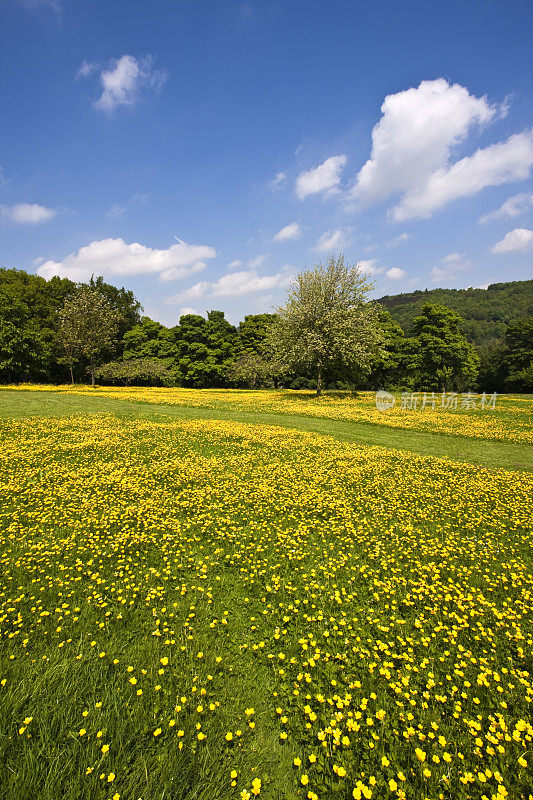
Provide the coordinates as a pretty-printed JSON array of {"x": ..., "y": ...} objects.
[{"x": 189, "y": 605}]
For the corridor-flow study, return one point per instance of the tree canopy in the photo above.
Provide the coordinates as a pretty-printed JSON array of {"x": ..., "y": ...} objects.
[
  {"x": 327, "y": 320},
  {"x": 328, "y": 323}
]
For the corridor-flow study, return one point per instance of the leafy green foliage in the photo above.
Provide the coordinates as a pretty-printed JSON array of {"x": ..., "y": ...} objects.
[
  {"x": 205, "y": 349},
  {"x": 327, "y": 321},
  {"x": 200, "y": 352},
  {"x": 29, "y": 308},
  {"x": 486, "y": 312},
  {"x": 139, "y": 371},
  {"x": 440, "y": 356},
  {"x": 88, "y": 325}
]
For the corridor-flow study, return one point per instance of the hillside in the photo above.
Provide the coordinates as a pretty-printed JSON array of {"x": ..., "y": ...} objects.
[{"x": 487, "y": 312}]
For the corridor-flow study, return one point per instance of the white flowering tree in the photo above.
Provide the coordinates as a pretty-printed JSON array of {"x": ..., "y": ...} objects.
[{"x": 327, "y": 320}]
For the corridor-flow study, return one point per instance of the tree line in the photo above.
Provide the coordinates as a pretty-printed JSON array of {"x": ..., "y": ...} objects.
[{"x": 328, "y": 334}]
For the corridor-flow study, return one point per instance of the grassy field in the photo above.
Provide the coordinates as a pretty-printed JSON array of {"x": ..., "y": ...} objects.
[{"x": 222, "y": 608}]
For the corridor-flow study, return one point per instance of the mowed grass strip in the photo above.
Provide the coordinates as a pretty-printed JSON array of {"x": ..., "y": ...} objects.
[{"x": 487, "y": 453}]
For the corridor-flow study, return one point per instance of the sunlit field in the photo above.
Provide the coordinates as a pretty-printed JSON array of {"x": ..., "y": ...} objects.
[
  {"x": 208, "y": 609},
  {"x": 510, "y": 420}
]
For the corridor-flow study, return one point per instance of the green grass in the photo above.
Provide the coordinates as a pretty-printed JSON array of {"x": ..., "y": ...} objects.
[
  {"x": 491, "y": 454},
  {"x": 392, "y": 570}
]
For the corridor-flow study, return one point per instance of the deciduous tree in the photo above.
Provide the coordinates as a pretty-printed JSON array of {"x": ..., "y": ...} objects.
[
  {"x": 327, "y": 320},
  {"x": 89, "y": 324}
]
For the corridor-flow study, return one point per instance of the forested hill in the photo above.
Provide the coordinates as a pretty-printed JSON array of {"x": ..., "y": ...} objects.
[{"x": 487, "y": 312}]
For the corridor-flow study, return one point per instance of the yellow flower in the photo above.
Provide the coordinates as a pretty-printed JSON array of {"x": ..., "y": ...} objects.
[
  {"x": 105, "y": 748},
  {"x": 157, "y": 731},
  {"x": 111, "y": 777},
  {"x": 304, "y": 780},
  {"x": 393, "y": 785},
  {"x": 420, "y": 754},
  {"x": 256, "y": 786}
]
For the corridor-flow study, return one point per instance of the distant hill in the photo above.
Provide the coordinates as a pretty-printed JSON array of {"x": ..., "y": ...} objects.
[{"x": 487, "y": 312}]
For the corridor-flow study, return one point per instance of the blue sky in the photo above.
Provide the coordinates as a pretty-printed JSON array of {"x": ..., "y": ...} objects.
[{"x": 201, "y": 152}]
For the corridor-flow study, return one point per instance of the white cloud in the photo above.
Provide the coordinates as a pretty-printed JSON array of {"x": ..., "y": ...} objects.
[
  {"x": 110, "y": 257},
  {"x": 233, "y": 284},
  {"x": 412, "y": 147},
  {"x": 123, "y": 81},
  {"x": 289, "y": 232},
  {"x": 513, "y": 206},
  {"x": 53, "y": 6},
  {"x": 368, "y": 267},
  {"x": 235, "y": 263},
  {"x": 325, "y": 177},
  {"x": 188, "y": 310},
  {"x": 27, "y": 213},
  {"x": 414, "y": 137},
  {"x": 456, "y": 261},
  {"x": 402, "y": 237},
  {"x": 395, "y": 274},
  {"x": 331, "y": 240},
  {"x": 116, "y": 211},
  {"x": 439, "y": 274},
  {"x": 499, "y": 163},
  {"x": 87, "y": 68},
  {"x": 257, "y": 262},
  {"x": 177, "y": 273},
  {"x": 517, "y": 241},
  {"x": 277, "y": 182},
  {"x": 450, "y": 265}
]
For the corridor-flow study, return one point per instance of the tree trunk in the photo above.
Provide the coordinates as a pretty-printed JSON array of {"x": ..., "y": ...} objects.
[
  {"x": 92, "y": 376},
  {"x": 71, "y": 375},
  {"x": 319, "y": 381}
]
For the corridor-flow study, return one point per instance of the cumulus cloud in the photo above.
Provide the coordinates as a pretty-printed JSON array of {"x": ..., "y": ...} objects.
[
  {"x": 517, "y": 241},
  {"x": 177, "y": 273},
  {"x": 491, "y": 166},
  {"x": 233, "y": 284},
  {"x": 325, "y": 177},
  {"x": 188, "y": 310},
  {"x": 456, "y": 261},
  {"x": 124, "y": 80},
  {"x": 277, "y": 182},
  {"x": 450, "y": 265},
  {"x": 54, "y": 6},
  {"x": 412, "y": 147},
  {"x": 402, "y": 237},
  {"x": 87, "y": 68},
  {"x": 331, "y": 240},
  {"x": 289, "y": 232},
  {"x": 368, "y": 267},
  {"x": 27, "y": 213},
  {"x": 116, "y": 211},
  {"x": 438, "y": 274},
  {"x": 513, "y": 207},
  {"x": 257, "y": 262},
  {"x": 111, "y": 257},
  {"x": 395, "y": 274}
]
